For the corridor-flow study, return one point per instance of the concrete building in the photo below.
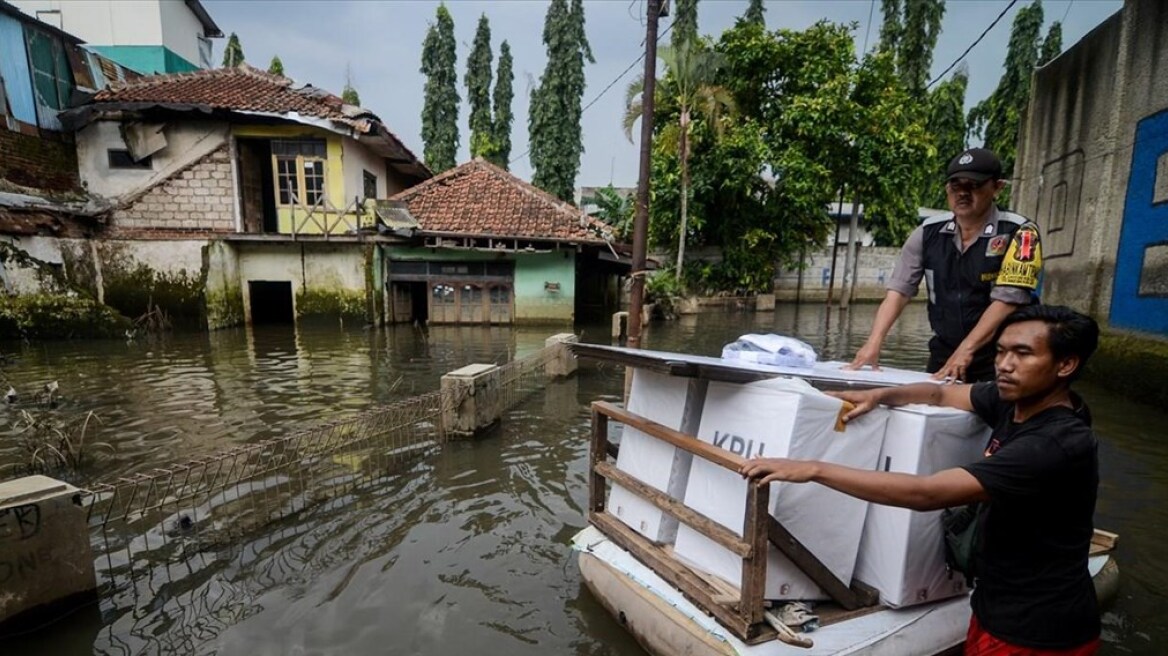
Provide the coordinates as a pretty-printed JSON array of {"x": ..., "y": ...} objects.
[
  {"x": 1092, "y": 169},
  {"x": 147, "y": 36},
  {"x": 491, "y": 248}
]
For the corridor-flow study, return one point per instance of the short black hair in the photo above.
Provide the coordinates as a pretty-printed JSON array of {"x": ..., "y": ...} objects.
[{"x": 1068, "y": 332}]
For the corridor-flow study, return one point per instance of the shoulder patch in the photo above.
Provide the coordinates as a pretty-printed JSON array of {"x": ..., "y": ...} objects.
[
  {"x": 950, "y": 227},
  {"x": 997, "y": 246},
  {"x": 1022, "y": 265}
]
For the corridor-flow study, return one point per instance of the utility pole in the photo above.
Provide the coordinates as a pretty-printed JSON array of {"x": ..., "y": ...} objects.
[{"x": 641, "y": 218}]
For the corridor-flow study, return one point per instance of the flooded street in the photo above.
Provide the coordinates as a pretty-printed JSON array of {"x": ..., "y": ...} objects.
[{"x": 463, "y": 550}]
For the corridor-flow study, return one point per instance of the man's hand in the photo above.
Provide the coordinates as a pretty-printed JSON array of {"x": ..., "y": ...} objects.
[
  {"x": 864, "y": 402},
  {"x": 956, "y": 367},
  {"x": 869, "y": 354},
  {"x": 768, "y": 470}
]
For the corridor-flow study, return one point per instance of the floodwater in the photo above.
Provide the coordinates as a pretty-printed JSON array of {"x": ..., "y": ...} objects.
[{"x": 462, "y": 550}]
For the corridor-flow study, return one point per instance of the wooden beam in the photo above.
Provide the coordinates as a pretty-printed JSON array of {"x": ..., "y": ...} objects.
[
  {"x": 699, "y": 522},
  {"x": 596, "y": 456},
  {"x": 720, "y": 457},
  {"x": 754, "y": 564},
  {"x": 680, "y": 577},
  {"x": 814, "y": 568}
]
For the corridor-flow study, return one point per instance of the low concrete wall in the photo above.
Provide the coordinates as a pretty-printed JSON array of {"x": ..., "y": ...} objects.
[{"x": 874, "y": 266}]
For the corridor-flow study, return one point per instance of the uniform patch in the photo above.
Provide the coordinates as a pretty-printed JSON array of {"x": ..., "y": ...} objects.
[
  {"x": 1022, "y": 265},
  {"x": 997, "y": 246},
  {"x": 989, "y": 277}
]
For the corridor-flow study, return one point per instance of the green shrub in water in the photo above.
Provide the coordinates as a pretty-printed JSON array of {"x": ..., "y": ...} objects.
[{"x": 58, "y": 316}]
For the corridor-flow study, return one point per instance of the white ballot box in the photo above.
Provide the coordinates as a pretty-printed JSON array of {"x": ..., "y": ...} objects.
[
  {"x": 902, "y": 554},
  {"x": 781, "y": 418},
  {"x": 674, "y": 402}
]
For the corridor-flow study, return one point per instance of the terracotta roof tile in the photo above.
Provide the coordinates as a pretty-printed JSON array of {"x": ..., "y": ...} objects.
[
  {"x": 481, "y": 199},
  {"x": 241, "y": 88}
]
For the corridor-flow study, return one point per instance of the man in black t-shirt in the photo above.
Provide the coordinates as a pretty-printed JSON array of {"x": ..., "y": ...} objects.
[{"x": 1033, "y": 594}]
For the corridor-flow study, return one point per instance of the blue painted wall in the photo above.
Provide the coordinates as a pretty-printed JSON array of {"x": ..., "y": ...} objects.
[
  {"x": 14, "y": 68},
  {"x": 1145, "y": 224}
]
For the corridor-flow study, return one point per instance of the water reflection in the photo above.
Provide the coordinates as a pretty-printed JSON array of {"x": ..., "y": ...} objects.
[{"x": 459, "y": 549}]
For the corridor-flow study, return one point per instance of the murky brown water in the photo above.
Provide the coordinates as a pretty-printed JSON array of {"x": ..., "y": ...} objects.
[{"x": 463, "y": 550}]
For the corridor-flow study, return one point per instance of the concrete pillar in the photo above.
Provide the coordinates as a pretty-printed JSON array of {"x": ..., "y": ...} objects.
[
  {"x": 620, "y": 321},
  {"x": 764, "y": 303},
  {"x": 481, "y": 404},
  {"x": 564, "y": 363},
  {"x": 45, "y": 558}
]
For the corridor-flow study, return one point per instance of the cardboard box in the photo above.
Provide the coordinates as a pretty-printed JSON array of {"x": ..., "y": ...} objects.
[
  {"x": 781, "y": 418},
  {"x": 901, "y": 553},
  {"x": 672, "y": 401}
]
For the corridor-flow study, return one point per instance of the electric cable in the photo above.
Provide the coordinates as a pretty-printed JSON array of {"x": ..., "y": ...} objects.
[{"x": 972, "y": 45}]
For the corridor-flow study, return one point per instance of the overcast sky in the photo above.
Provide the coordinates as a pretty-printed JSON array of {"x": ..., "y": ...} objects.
[{"x": 380, "y": 42}]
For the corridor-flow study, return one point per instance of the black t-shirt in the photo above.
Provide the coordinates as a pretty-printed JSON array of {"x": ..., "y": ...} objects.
[{"x": 1042, "y": 475}]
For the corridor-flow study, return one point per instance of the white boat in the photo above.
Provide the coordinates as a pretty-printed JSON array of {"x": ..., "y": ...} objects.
[{"x": 641, "y": 585}]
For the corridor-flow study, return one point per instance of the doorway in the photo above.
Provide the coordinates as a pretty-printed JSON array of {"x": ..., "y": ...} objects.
[
  {"x": 271, "y": 301},
  {"x": 257, "y": 189}
]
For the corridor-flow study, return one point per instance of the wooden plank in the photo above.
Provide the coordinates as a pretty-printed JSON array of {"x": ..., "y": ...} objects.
[
  {"x": 699, "y": 522},
  {"x": 680, "y": 577},
  {"x": 815, "y": 569},
  {"x": 597, "y": 455},
  {"x": 718, "y": 456},
  {"x": 1103, "y": 542},
  {"x": 754, "y": 570}
]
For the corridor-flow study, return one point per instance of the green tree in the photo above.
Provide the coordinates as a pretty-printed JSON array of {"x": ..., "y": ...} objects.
[
  {"x": 233, "y": 53},
  {"x": 997, "y": 117},
  {"x": 478, "y": 90},
  {"x": 350, "y": 96},
  {"x": 689, "y": 87},
  {"x": 891, "y": 28},
  {"x": 918, "y": 38},
  {"x": 440, "y": 104},
  {"x": 615, "y": 209},
  {"x": 276, "y": 67},
  {"x": 946, "y": 122},
  {"x": 755, "y": 13},
  {"x": 1052, "y": 45},
  {"x": 554, "y": 119},
  {"x": 503, "y": 95},
  {"x": 685, "y": 22}
]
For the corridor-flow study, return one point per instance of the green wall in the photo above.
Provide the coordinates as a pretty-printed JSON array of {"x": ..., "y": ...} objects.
[
  {"x": 533, "y": 302},
  {"x": 146, "y": 60}
]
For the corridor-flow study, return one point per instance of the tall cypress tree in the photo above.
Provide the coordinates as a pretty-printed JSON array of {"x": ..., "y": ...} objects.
[
  {"x": 914, "y": 55},
  {"x": 997, "y": 116},
  {"x": 233, "y": 53},
  {"x": 1052, "y": 45},
  {"x": 501, "y": 129},
  {"x": 946, "y": 122},
  {"x": 554, "y": 119},
  {"x": 440, "y": 106},
  {"x": 478, "y": 90},
  {"x": 685, "y": 22},
  {"x": 891, "y": 28},
  {"x": 755, "y": 13},
  {"x": 276, "y": 67}
]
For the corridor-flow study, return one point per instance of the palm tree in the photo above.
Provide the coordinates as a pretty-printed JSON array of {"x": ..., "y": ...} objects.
[{"x": 688, "y": 84}]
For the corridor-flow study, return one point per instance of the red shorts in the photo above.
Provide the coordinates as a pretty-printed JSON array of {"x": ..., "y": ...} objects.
[{"x": 980, "y": 643}]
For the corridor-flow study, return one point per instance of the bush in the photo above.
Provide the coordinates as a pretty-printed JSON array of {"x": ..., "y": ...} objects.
[{"x": 55, "y": 316}]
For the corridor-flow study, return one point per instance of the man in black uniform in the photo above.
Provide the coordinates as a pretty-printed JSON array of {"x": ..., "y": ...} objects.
[
  {"x": 1032, "y": 593},
  {"x": 979, "y": 264}
]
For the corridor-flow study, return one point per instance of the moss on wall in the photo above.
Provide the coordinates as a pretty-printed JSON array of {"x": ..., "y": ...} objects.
[
  {"x": 1133, "y": 365},
  {"x": 132, "y": 291},
  {"x": 224, "y": 307},
  {"x": 55, "y": 316},
  {"x": 330, "y": 302}
]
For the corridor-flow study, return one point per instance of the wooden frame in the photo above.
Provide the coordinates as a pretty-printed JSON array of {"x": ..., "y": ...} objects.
[{"x": 744, "y": 614}]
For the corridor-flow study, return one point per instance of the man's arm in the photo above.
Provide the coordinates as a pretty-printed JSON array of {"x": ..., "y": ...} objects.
[
  {"x": 945, "y": 489},
  {"x": 949, "y": 396},
  {"x": 889, "y": 311},
  {"x": 957, "y": 364}
]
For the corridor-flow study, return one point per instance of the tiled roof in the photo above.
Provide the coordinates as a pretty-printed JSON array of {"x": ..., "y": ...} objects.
[
  {"x": 481, "y": 199},
  {"x": 240, "y": 88}
]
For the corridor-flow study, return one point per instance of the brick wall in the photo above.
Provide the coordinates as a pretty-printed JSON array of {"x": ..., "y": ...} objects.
[
  {"x": 198, "y": 198},
  {"x": 40, "y": 163}
]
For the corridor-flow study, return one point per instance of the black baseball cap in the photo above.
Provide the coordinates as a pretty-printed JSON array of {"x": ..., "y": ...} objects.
[{"x": 977, "y": 164}]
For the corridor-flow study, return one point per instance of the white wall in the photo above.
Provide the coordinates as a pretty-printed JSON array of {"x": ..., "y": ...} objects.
[
  {"x": 186, "y": 143},
  {"x": 104, "y": 22},
  {"x": 181, "y": 30},
  {"x": 356, "y": 157},
  {"x": 328, "y": 268}
]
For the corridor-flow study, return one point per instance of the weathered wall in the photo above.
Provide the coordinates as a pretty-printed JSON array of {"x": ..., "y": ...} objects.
[
  {"x": 223, "y": 291},
  {"x": 537, "y": 276},
  {"x": 356, "y": 159},
  {"x": 875, "y": 267},
  {"x": 32, "y": 265},
  {"x": 326, "y": 279},
  {"x": 186, "y": 143},
  {"x": 140, "y": 275},
  {"x": 1075, "y": 175},
  {"x": 40, "y": 163}
]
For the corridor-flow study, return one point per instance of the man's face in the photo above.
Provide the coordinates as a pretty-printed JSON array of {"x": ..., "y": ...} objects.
[
  {"x": 969, "y": 199},
  {"x": 1025, "y": 366}
]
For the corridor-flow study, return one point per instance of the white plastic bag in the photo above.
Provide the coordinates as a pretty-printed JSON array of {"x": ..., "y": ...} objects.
[{"x": 771, "y": 349}]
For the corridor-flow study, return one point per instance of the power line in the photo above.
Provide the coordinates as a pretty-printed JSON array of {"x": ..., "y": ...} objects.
[
  {"x": 972, "y": 45},
  {"x": 603, "y": 91},
  {"x": 1068, "y": 11},
  {"x": 871, "y": 11}
]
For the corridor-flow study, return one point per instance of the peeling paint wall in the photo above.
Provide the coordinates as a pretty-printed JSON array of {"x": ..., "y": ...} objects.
[
  {"x": 186, "y": 143},
  {"x": 326, "y": 280}
]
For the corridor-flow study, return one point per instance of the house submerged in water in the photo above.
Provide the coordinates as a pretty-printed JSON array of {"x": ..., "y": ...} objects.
[{"x": 233, "y": 196}]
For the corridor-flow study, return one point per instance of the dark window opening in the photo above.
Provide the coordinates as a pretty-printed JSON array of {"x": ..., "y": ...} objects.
[
  {"x": 121, "y": 159},
  {"x": 369, "y": 184}
]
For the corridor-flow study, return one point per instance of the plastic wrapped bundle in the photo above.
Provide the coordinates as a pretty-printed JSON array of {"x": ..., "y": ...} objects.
[{"x": 771, "y": 349}]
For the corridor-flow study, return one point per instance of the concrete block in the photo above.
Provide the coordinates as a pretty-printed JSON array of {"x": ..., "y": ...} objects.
[
  {"x": 764, "y": 303},
  {"x": 620, "y": 321},
  {"x": 564, "y": 363},
  {"x": 480, "y": 402},
  {"x": 45, "y": 556}
]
